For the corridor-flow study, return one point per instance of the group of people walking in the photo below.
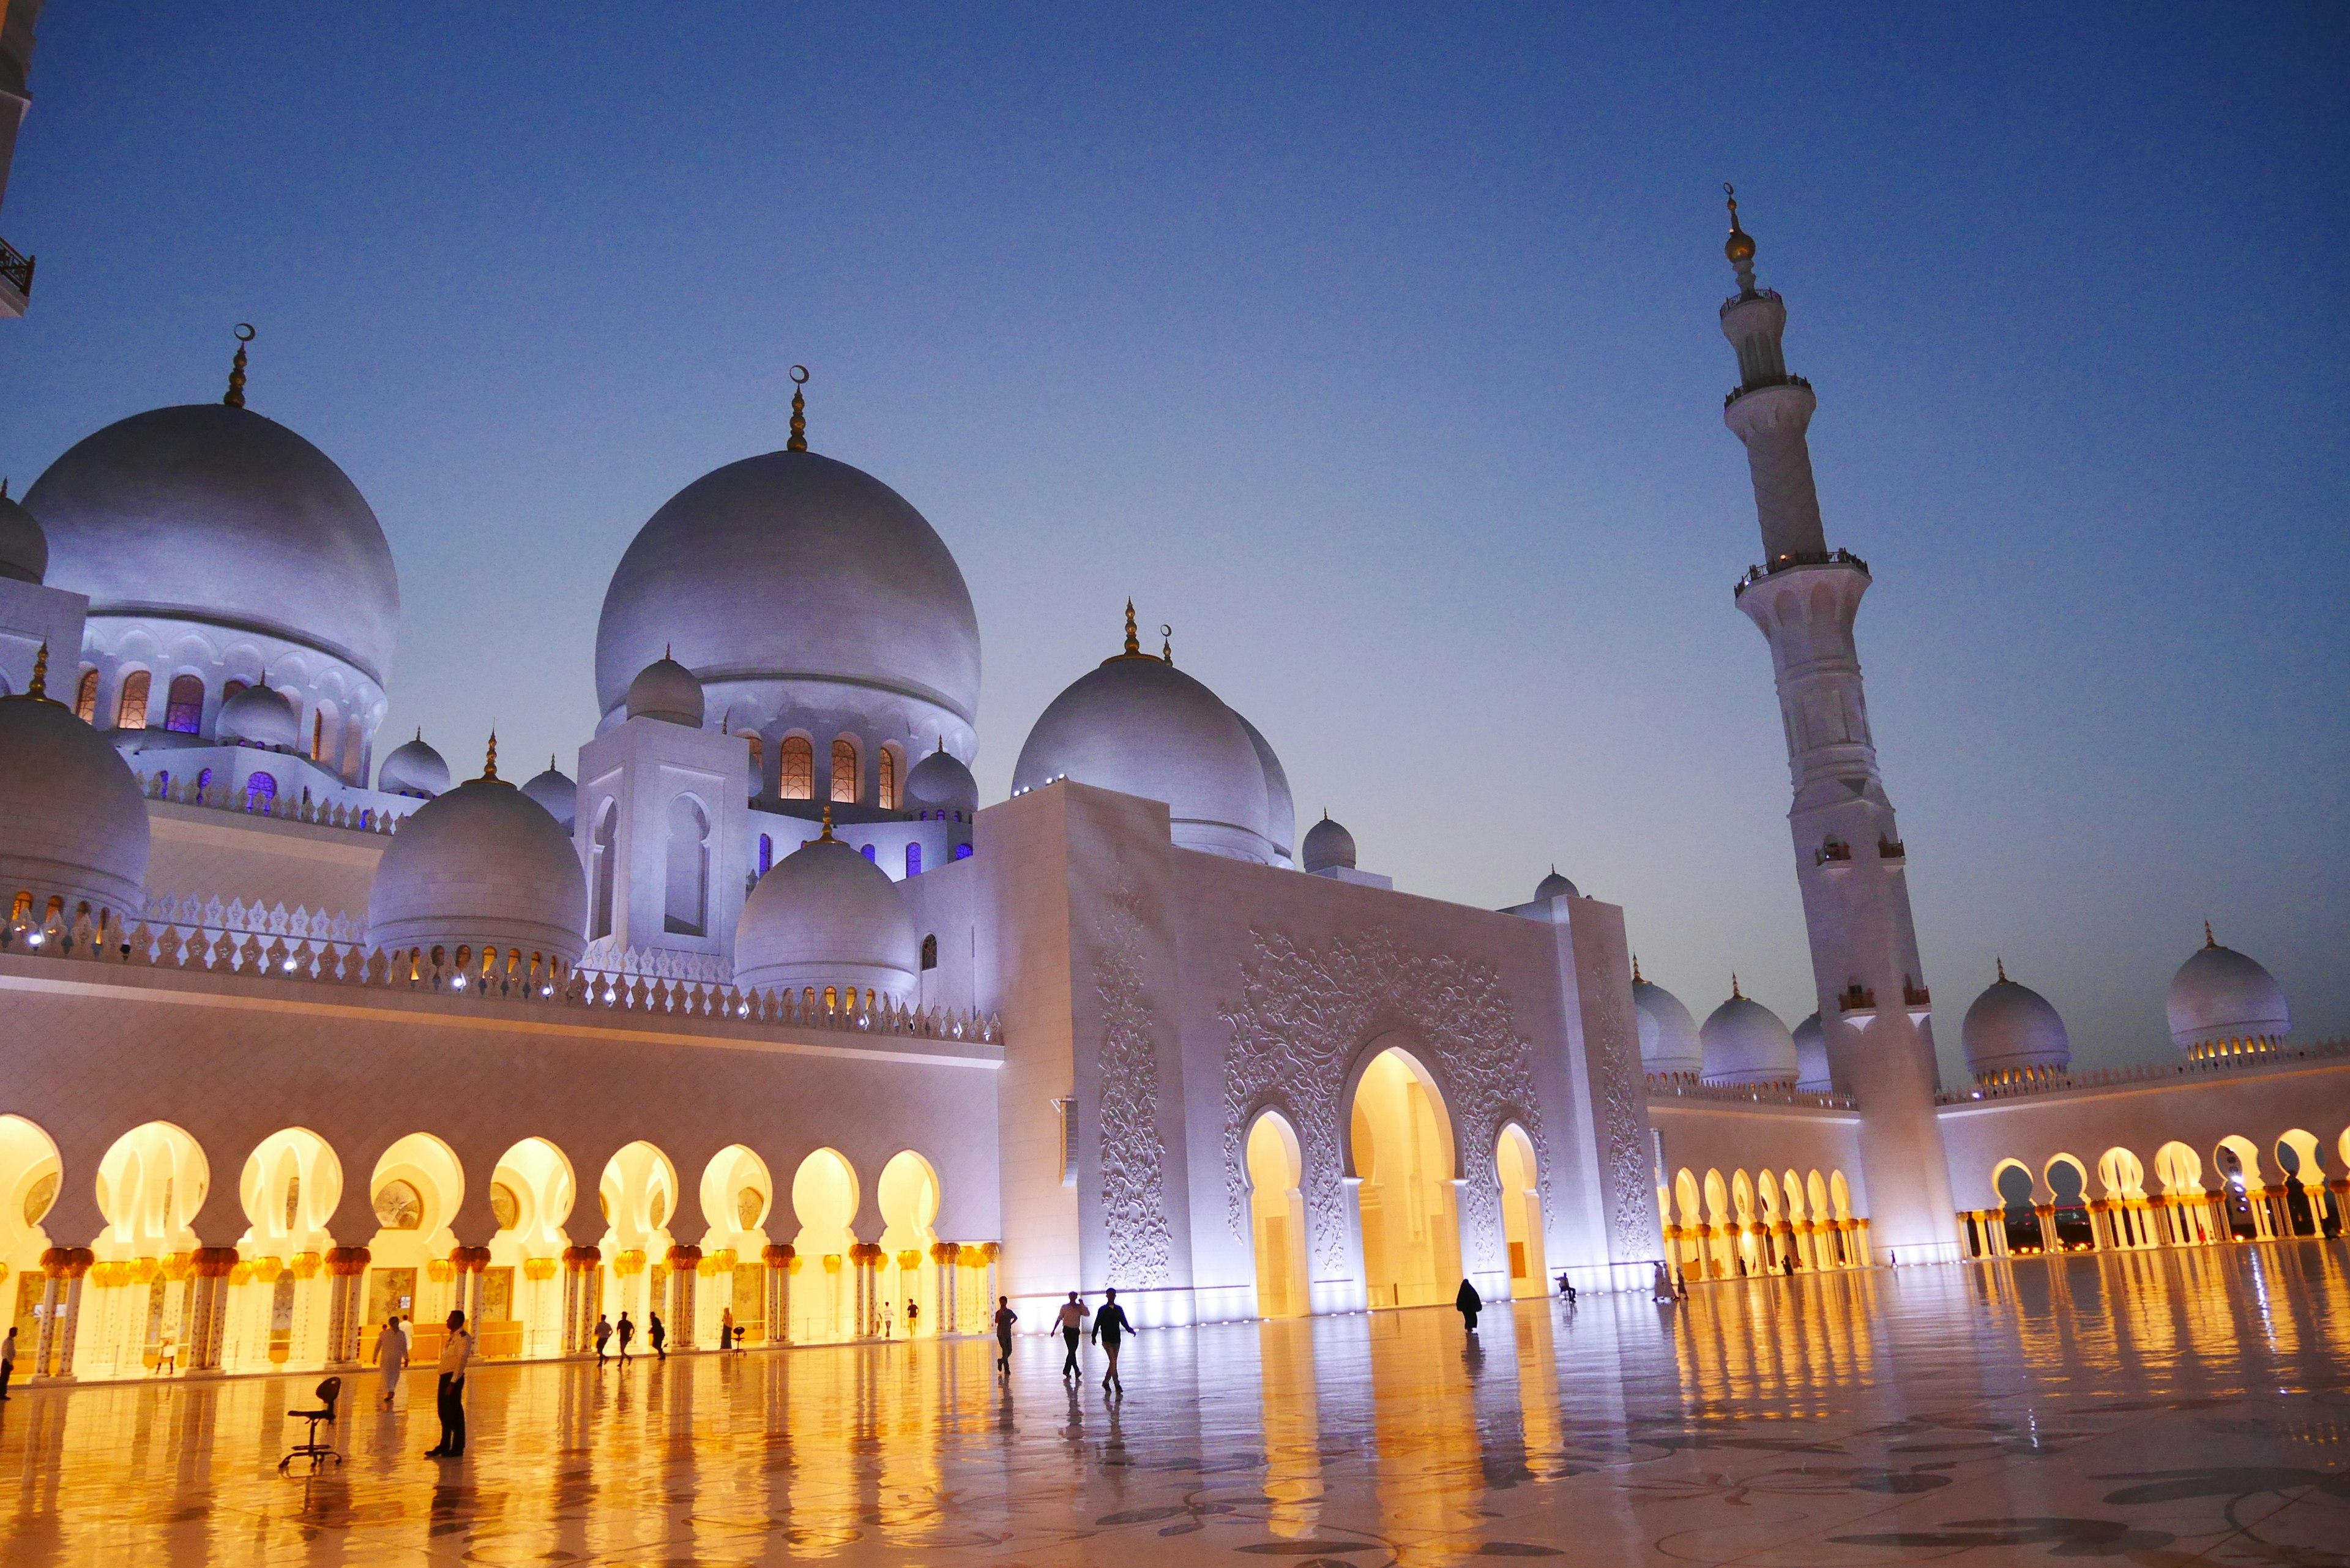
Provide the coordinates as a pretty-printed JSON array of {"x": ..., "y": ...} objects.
[{"x": 1107, "y": 1327}]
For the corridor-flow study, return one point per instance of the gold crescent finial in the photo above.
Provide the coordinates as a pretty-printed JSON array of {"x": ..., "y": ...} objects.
[
  {"x": 235, "y": 396},
  {"x": 1166, "y": 643},
  {"x": 799, "y": 410},
  {"x": 1740, "y": 246},
  {"x": 1133, "y": 641},
  {"x": 490, "y": 762},
  {"x": 826, "y": 837},
  {"x": 39, "y": 691},
  {"x": 2209, "y": 940}
]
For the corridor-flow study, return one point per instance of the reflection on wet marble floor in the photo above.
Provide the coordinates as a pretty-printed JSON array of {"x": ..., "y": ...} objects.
[{"x": 2151, "y": 1409}]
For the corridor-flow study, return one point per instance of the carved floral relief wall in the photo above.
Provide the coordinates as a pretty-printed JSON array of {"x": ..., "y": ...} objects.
[
  {"x": 1133, "y": 1151},
  {"x": 1302, "y": 1015}
]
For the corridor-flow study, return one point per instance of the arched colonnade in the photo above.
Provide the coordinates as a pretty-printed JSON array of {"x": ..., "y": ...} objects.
[
  {"x": 1760, "y": 1223},
  {"x": 2191, "y": 1198}
]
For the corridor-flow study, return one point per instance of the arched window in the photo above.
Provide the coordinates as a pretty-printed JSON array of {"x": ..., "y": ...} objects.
[
  {"x": 930, "y": 951},
  {"x": 766, "y": 853},
  {"x": 183, "y": 712},
  {"x": 231, "y": 688},
  {"x": 317, "y": 737},
  {"x": 913, "y": 860},
  {"x": 398, "y": 1207},
  {"x": 962, "y": 852},
  {"x": 600, "y": 849},
  {"x": 687, "y": 909},
  {"x": 130, "y": 708},
  {"x": 866, "y": 851},
  {"x": 844, "y": 772},
  {"x": 260, "y": 791},
  {"x": 85, "y": 698},
  {"x": 797, "y": 761},
  {"x": 887, "y": 783},
  {"x": 203, "y": 781}
]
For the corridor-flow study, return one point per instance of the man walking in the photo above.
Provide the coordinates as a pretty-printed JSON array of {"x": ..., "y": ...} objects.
[
  {"x": 603, "y": 1336},
  {"x": 391, "y": 1357},
  {"x": 1110, "y": 1325},
  {"x": 1073, "y": 1328},
  {"x": 1004, "y": 1318},
  {"x": 455, "y": 1350},
  {"x": 627, "y": 1333},
  {"x": 658, "y": 1332}
]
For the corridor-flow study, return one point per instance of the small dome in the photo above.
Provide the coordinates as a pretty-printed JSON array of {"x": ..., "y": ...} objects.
[
  {"x": 667, "y": 690},
  {"x": 413, "y": 768},
  {"x": 24, "y": 548},
  {"x": 259, "y": 716},
  {"x": 825, "y": 915},
  {"x": 1813, "y": 1075},
  {"x": 73, "y": 820},
  {"x": 1140, "y": 726},
  {"x": 2219, "y": 996},
  {"x": 1554, "y": 887},
  {"x": 1744, "y": 1044},
  {"x": 940, "y": 782},
  {"x": 1668, "y": 1041},
  {"x": 480, "y": 864},
  {"x": 1327, "y": 846},
  {"x": 557, "y": 793},
  {"x": 1280, "y": 810},
  {"x": 2010, "y": 1031},
  {"x": 217, "y": 515}
]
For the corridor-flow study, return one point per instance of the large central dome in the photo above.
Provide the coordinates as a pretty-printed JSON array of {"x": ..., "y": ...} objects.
[{"x": 792, "y": 582}]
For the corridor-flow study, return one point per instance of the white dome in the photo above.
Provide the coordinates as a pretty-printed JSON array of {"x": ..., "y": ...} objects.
[
  {"x": 1668, "y": 1042},
  {"x": 73, "y": 822},
  {"x": 790, "y": 580},
  {"x": 482, "y": 865},
  {"x": 1327, "y": 846},
  {"x": 261, "y": 716},
  {"x": 1142, "y": 727},
  {"x": 215, "y": 515},
  {"x": 413, "y": 768},
  {"x": 1554, "y": 887},
  {"x": 1744, "y": 1044},
  {"x": 2011, "y": 1029},
  {"x": 940, "y": 782},
  {"x": 1280, "y": 810},
  {"x": 667, "y": 690},
  {"x": 825, "y": 915},
  {"x": 556, "y": 792},
  {"x": 24, "y": 548},
  {"x": 1813, "y": 1075},
  {"x": 2220, "y": 996}
]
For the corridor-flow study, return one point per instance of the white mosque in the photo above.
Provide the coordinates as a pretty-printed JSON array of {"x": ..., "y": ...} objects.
[{"x": 760, "y": 1009}]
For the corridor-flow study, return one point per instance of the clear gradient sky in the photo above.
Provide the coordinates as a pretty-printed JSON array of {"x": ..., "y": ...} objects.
[{"x": 1375, "y": 350}]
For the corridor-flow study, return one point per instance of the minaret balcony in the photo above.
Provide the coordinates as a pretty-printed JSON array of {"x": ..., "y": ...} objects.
[
  {"x": 1917, "y": 999},
  {"x": 1890, "y": 851},
  {"x": 1790, "y": 379},
  {"x": 1794, "y": 559},
  {"x": 1833, "y": 855},
  {"x": 1857, "y": 1005},
  {"x": 15, "y": 280}
]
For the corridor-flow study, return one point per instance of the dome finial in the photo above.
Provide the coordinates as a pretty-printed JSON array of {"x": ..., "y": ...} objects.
[
  {"x": 1735, "y": 994},
  {"x": 236, "y": 397},
  {"x": 1167, "y": 643},
  {"x": 1636, "y": 970},
  {"x": 799, "y": 410},
  {"x": 826, "y": 837},
  {"x": 2209, "y": 940},
  {"x": 38, "y": 692},
  {"x": 490, "y": 762},
  {"x": 2003, "y": 970},
  {"x": 1133, "y": 642},
  {"x": 1740, "y": 246}
]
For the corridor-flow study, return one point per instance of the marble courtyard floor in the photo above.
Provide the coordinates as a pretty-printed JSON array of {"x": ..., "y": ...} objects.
[{"x": 2153, "y": 1409}]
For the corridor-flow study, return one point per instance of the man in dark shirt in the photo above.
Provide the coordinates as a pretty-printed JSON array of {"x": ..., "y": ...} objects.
[
  {"x": 1110, "y": 1325},
  {"x": 1004, "y": 1318}
]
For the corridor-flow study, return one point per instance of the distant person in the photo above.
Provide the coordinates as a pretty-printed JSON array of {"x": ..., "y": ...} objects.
[
  {"x": 1567, "y": 1289},
  {"x": 726, "y": 1328},
  {"x": 1004, "y": 1318},
  {"x": 1680, "y": 1285},
  {"x": 391, "y": 1357},
  {"x": 913, "y": 1318},
  {"x": 7, "y": 1361},
  {"x": 658, "y": 1332},
  {"x": 1110, "y": 1324},
  {"x": 1072, "y": 1319},
  {"x": 1787, "y": 1265},
  {"x": 455, "y": 1351},
  {"x": 603, "y": 1336},
  {"x": 627, "y": 1331},
  {"x": 1468, "y": 1303}
]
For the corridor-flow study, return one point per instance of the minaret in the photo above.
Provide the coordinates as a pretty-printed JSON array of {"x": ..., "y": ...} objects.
[{"x": 1874, "y": 1006}]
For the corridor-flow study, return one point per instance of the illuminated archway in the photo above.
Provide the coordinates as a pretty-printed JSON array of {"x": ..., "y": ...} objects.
[
  {"x": 30, "y": 1177},
  {"x": 1403, "y": 1152},
  {"x": 1277, "y": 1174},
  {"x": 2243, "y": 1195},
  {"x": 638, "y": 1195},
  {"x": 2307, "y": 1208},
  {"x": 2011, "y": 1179},
  {"x": 1522, "y": 1215},
  {"x": 825, "y": 1198},
  {"x": 277, "y": 1314},
  {"x": 909, "y": 1197},
  {"x": 532, "y": 1191},
  {"x": 2068, "y": 1186},
  {"x": 150, "y": 1186},
  {"x": 414, "y": 1189}
]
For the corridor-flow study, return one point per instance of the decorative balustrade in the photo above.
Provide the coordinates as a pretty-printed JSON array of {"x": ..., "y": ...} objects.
[
  {"x": 656, "y": 963},
  {"x": 1787, "y": 380},
  {"x": 494, "y": 976},
  {"x": 286, "y": 808},
  {"x": 1678, "y": 1086},
  {"x": 2149, "y": 1073},
  {"x": 17, "y": 268},
  {"x": 1793, "y": 559},
  {"x": 212, "y": 914}
]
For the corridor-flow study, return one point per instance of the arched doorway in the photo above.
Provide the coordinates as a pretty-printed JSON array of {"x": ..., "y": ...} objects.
[
  {"x": 532, "y": 1190},
  {"x": 2015, "y": 1186},
  {"x": 638, "y": 1193},
  {"x": 150, "y": 1186},
  {"x": 1522, "y": 1217},
  {"x": 2068, "y": 1181},
  {"x": 825, "y": 1199},
  {"x": 1276, "y": 1173},
  {"x": 30, "y": 1175},
  {"x": 737, "y": 1195},
  {"x": 909, "y": 1197},
  {"x": 415, "y": 1189},
  {"x": 277, "y": 1316},
  {"x": 1403, "y": 1153}
]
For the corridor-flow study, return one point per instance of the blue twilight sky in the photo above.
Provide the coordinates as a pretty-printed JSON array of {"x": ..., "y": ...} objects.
[{"x": 1375, "y": 350}]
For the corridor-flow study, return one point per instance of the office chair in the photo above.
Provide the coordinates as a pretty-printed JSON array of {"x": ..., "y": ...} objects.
[{"x": 309, "y": 1447}]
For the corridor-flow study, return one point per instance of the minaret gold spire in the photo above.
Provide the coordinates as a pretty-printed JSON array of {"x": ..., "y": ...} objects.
[
  {"x": 1734, "y": 996},
  {"x": 2209, "y": 940},
  {"x": 236, "y": 397},
  {"x": 1166, "y": 643},
  {"x": 1133, "y": 643},
  {"x": 799, "y": 410},
  {"x": 1740, "y": 246},
  {"x": 39, "y": 690},
  {"x": 1636, "y": 970},
  {"x": 2003, "y": 970},
  {"x": 827, "y": 836},
  {"x": 490, "y": 764}
]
